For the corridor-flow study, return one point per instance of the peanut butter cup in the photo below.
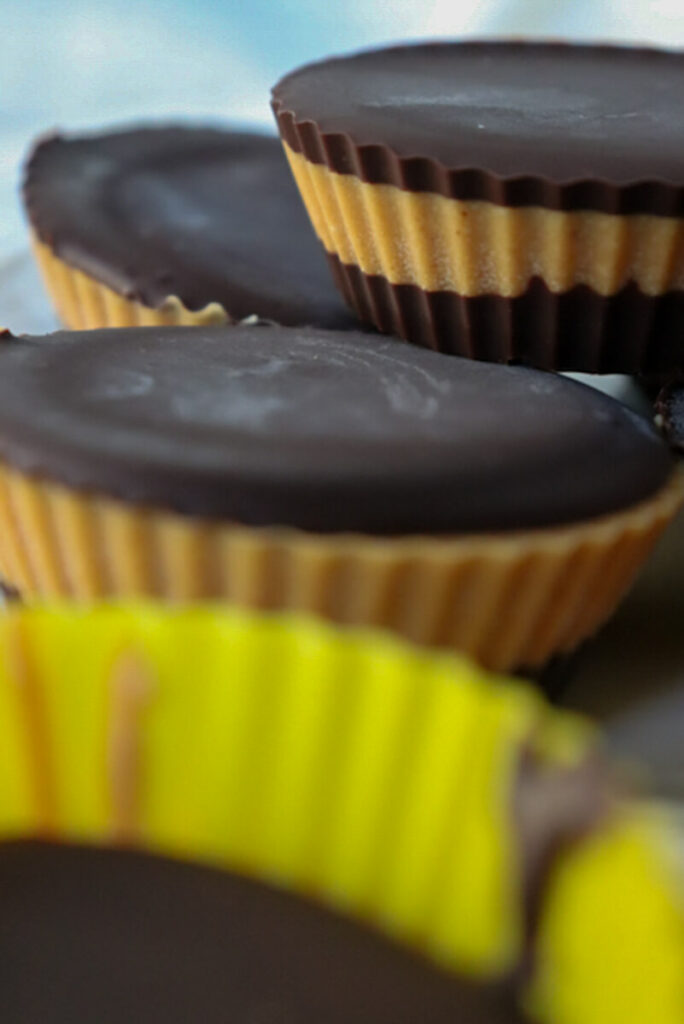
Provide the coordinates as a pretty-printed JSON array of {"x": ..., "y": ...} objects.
[
  {"x": 377, "y": 833},
  {"x": 506, "y": 201},
  {"x": 499, "y": 510},
  {"x": 175, "y": 225}
]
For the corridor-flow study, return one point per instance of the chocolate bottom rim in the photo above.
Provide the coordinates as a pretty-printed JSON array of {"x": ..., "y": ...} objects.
[{"x": 579, "y": 329}]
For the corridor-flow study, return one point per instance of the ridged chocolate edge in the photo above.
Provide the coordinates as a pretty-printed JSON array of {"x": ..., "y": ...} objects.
[
  {"x": 377, "y": 163},
  {"x": 580, "y": 330}
]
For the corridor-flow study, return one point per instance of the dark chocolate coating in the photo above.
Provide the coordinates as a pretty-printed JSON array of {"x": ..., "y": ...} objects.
[
  {"x": 670, "y": 410},
  {"x": 578, "y": 329},
  {"x": 549, "y": 124},
  {"x": 326, "y": 431},
  {"x": 203, "y": 214},
  {"x": 114, "y": 937}
]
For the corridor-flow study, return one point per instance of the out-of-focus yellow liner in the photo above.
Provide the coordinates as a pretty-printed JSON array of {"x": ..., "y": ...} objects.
[
  {"x": 611, "y": 939},
  {"x": 340, "y": 765},
  {"x": 508, "y": 600},
  {"x": 473, "y": 247}
]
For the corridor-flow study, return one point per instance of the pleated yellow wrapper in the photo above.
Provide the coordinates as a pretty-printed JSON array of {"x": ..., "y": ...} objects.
[{"x": 343, "y": 765}]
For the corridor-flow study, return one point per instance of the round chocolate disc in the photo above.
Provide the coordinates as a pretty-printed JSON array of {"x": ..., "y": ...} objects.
[
  {"x": 116, "y": 936},
  {"x": 202, "y": 214},
  {"x": 510, "y": 122},
  {"x": 319, "y": 430}
]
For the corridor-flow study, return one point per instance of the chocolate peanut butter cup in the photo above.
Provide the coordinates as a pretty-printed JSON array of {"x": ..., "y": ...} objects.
[
  {"x": 167, "y": 225},
  {"x": 506, "y": 201},
  {"x": 499, "y": 510},
  {"x": 378, "y": 833}
]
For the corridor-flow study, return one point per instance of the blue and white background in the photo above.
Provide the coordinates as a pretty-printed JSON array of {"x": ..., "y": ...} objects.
[{"x": 85, "y": 63}]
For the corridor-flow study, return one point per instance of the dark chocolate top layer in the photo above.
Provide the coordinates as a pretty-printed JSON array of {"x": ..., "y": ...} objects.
[
  {"x": 325, "y": 431},
  {"x": 550, "y": 124},
  {"x": 95, "y": 935},
  {"x": 206, "y": 215},
  {"x": 670, "y": 410}
]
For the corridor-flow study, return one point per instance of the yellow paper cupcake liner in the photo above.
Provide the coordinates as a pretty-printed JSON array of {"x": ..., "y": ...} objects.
[
  {"x": 474, "y": 247},
  {"x": 593, "y": 966},
  {"x": 81, "y": 302},
  {"x": 508, "y": 600},
  {"x": 343, "y": 766},
  {"x": 336, "y": 764}
]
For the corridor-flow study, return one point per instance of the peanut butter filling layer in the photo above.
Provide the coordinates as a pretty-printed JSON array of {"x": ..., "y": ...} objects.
[{"x": 475, "y": 248}]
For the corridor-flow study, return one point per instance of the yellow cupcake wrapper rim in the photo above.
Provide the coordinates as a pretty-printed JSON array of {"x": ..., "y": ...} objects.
[
  {"x": 611, "y": 940},
  {"x": 508, "y": 600}
]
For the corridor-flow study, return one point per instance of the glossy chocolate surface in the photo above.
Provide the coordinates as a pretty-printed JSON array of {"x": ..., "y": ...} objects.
[
  {"x": 202, "y": 214},
  {"x": 95, "y": 935},
  {"x": 549, "y": 124},
  {"x": 326, "y": 431}
]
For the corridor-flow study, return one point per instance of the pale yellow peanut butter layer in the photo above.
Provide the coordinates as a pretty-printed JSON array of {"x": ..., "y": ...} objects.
[{"x": 478, "y": 248}]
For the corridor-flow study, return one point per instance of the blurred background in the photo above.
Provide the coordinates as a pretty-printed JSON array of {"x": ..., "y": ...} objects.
[{"x": 84, "y": 63}]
